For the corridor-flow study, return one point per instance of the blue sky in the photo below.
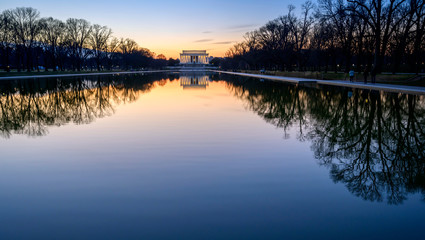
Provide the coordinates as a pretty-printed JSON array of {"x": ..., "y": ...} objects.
[{"x": 167, "y": 26}]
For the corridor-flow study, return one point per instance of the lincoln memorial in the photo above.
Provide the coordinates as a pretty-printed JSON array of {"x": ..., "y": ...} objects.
[{"x": 194, "y": 57}]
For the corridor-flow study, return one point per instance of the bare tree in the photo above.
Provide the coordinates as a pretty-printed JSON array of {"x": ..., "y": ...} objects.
[
  {"x": 98, "y": 42},
  {"x": 127, "y": 47},
  {"x": 78, "y": 32},
  {"x": 53, "y": 36},
  {"x": 334, "y": 14},
  {"x": 301, "y": 28},
  {"x": 112, "y": 50},
  {"x": 419, "y": 36},
  {"x": 383, "y": 18},
  {"x": 25, "y": 27},
  {"x": 6, "y": 39}
]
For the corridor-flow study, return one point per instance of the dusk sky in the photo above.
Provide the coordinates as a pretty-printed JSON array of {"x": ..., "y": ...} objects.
[{"x": 168, "y": 26}]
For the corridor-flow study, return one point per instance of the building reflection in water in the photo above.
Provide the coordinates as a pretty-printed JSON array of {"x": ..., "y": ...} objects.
[{"x": 194, "y": 80}]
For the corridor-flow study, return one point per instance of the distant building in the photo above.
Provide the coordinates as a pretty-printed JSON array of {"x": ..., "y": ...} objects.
[{"x": 194, "y": 57}]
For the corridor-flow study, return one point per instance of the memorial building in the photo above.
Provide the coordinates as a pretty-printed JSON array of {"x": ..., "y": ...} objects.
[{"x": 194, "y": 57}]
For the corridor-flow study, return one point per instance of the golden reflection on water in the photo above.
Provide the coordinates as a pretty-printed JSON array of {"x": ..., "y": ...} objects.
[
  {"x": 29, "y": 107},
  {"x": 194, "y": 81}
]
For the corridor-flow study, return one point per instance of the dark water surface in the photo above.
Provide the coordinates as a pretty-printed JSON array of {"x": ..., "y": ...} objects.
[{"x": 203, "y": 156}]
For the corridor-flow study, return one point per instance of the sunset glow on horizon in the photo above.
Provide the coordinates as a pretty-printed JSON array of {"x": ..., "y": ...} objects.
[{"x": 168, "y": 27}]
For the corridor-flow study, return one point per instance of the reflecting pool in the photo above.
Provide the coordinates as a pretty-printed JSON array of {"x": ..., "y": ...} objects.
[{"x": 208, "y": 156}]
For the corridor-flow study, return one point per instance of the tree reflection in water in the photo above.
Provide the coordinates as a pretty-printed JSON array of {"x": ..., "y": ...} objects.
[
  {"x": 372, "y": 142},
  {"x": 29, "y": 107}
]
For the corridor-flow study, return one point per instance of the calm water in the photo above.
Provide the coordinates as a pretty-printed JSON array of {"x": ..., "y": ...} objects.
[{"x": 202, "y": 156}]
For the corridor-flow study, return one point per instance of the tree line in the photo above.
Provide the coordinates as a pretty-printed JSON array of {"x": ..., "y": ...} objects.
[
  {"x": 29, "y": 42},
  {"x": 337, "y": 35}
]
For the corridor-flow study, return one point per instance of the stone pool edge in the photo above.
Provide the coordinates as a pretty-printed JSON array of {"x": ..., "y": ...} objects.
[{"x": 340, "y": 83}]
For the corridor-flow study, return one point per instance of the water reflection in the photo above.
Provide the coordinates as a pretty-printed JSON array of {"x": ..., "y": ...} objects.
[
  {"x": 29, "y": 107},
  {"x": 194, "y": 80},
  {"x": 371, "y": 142}
]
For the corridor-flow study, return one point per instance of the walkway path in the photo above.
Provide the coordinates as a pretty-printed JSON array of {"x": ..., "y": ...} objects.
[
  {"x": 76, "y": 75},
  {"x": 341, "y": 83}
]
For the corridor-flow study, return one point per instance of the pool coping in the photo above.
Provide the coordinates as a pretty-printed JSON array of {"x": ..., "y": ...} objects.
[{"x": 340, "y": 83}]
